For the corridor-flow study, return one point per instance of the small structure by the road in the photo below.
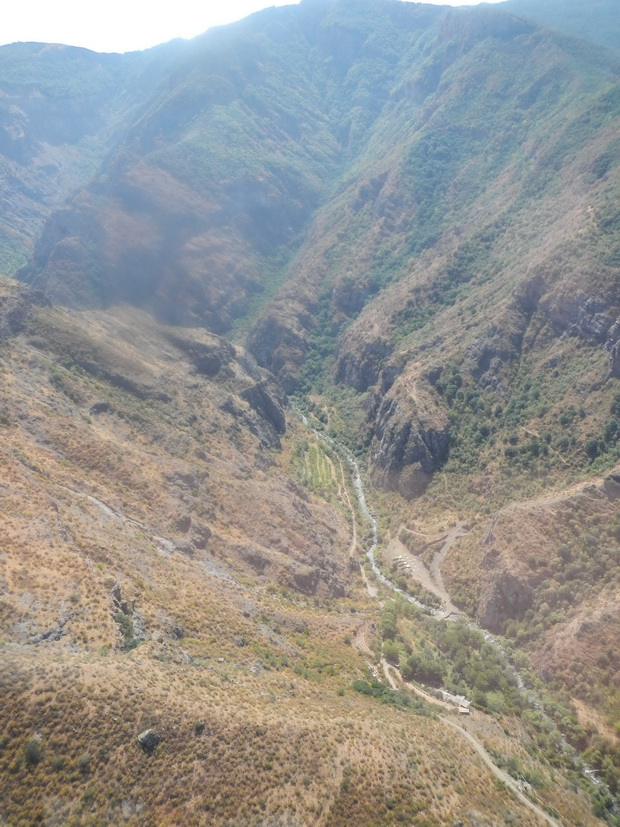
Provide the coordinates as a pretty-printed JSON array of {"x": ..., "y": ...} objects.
[{"x": 457, "y": 700}]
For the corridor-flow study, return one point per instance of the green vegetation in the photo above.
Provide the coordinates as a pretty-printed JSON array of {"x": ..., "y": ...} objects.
[
  {"x": 316, "y": 468},
  {"x": 584, "y": 560},
  {"x": 394, "y": 697},
  {"x": 125, "y": 624},
  {"x": 33, "y": 752},
  {"x": 450, "y": 654},
  {"x": 530, "y": 432},
  {"x": 456, "y": 657},
  {"x": 428, "y": 193}
]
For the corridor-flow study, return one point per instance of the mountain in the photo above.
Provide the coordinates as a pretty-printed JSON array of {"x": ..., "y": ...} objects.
[
  {"x": 310, "y": 408},
  {"x": 216, "y": 180},
  {"x": 594, "y": 21},
  {"x": 61, "y": 110},
  {"x": 173, "y": 563}
]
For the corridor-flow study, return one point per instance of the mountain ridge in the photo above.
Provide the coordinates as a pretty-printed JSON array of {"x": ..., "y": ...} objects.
[{"x": 405, "y": 218}]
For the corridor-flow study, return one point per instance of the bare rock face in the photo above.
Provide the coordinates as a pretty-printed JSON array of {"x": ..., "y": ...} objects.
[
  {"x": 613, "y": 346},
  {"x": 596, "y": 320},
  {"x": 362, "y": 368},
  {"x": 208, "y": 353},
  {"x": 306, "y": 579},
  {"x": 499, "y": 345},
  {"x": 410, "y": 436},
  {"x": 268, "y": 402},
  {"x": 264, "y": 414},
  {"x": 508, "y": 596},
  {"x": 279, "y": 342}
]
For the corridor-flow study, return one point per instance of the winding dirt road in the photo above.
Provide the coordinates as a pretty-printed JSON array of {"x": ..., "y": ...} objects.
[
  {"x": 500, "y": 774},
  {"x": 430, "y": 577},
  {"x": 506, "y": 779}
]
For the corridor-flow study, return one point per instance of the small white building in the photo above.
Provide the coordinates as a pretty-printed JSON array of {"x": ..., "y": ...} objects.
[{"x": 458, "y": 700}]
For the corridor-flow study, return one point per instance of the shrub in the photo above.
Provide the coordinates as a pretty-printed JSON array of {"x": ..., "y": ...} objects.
[
  {"x": 84, "y": 763},
  {"x": 391, "y": 652},
  {"x": 126, "y": 626},
  {"x": 33, "y": 752}
]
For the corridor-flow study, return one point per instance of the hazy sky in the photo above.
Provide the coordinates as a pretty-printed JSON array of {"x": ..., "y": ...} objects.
[{"x": 125, "y": 25}]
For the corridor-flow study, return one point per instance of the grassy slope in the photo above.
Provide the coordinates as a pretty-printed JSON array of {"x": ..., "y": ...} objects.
[{"x": 248, "y": 682}]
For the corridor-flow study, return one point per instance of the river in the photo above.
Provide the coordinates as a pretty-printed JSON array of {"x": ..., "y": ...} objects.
[{"x": 370, "y": 553}]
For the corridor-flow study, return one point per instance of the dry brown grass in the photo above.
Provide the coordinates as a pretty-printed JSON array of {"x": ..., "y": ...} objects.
[
  {"x": 267, "y": 751},
  {"x": 88, "y": 500}
]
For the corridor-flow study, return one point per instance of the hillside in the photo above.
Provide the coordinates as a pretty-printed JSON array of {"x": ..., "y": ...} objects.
[
  {"x": 131, "y": 564},
  {"x": 61, "y": 109},
  {"x": 596, "y": 21},
  {"x": 337, "y": 250}
]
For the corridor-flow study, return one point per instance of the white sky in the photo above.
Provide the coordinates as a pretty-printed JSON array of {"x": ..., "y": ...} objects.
[{"x": 126, "y": 25}]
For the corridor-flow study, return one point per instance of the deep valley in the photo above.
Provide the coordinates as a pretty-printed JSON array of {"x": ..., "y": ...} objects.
[{"x": 310, "y": 421}]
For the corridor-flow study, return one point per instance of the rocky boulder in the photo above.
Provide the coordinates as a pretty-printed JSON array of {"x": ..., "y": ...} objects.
[{"x": 148, "y": 740}]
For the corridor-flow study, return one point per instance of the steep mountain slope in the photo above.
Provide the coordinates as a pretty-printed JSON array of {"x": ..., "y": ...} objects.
[
  {"x": 495, "y": 201},
  {"x": 61, "y": 109},
  {"x": 470, "y": 144},
  {"x": 408, "y": 215},
  {"x": 116, "y": 384},
  {"x": 202, "y": 202},
  {"x": 138, "y": 590}
]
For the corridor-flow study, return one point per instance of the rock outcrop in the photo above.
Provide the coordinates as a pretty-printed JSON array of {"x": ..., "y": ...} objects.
[
  {"x": 279, "y": 341},
  {"x": 613, "y": 346},
  {"x": 148, "y": 740},
  {"x": 17, "y": 303},
  {"x": 361, "y": 368},
  {"x": 594, "y": 319},
  {"x": 506, "y": 596},
  {"x": 409, "y": 435},
  {"x": 208, "y": 353},
  {"x": 268, "y": 401}
]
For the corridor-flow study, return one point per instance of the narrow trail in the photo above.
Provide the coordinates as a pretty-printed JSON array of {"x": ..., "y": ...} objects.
[
  {"x": 500, "y": 774},
  {"x": 165, "y": 546},
  {"x": 459, "y": 530},
  {"x": 360, "y": 640},
  {"x": 478, "y": 748},
  {"x": 547, "y": 499},
  {"x": 412, "y": 687}
]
